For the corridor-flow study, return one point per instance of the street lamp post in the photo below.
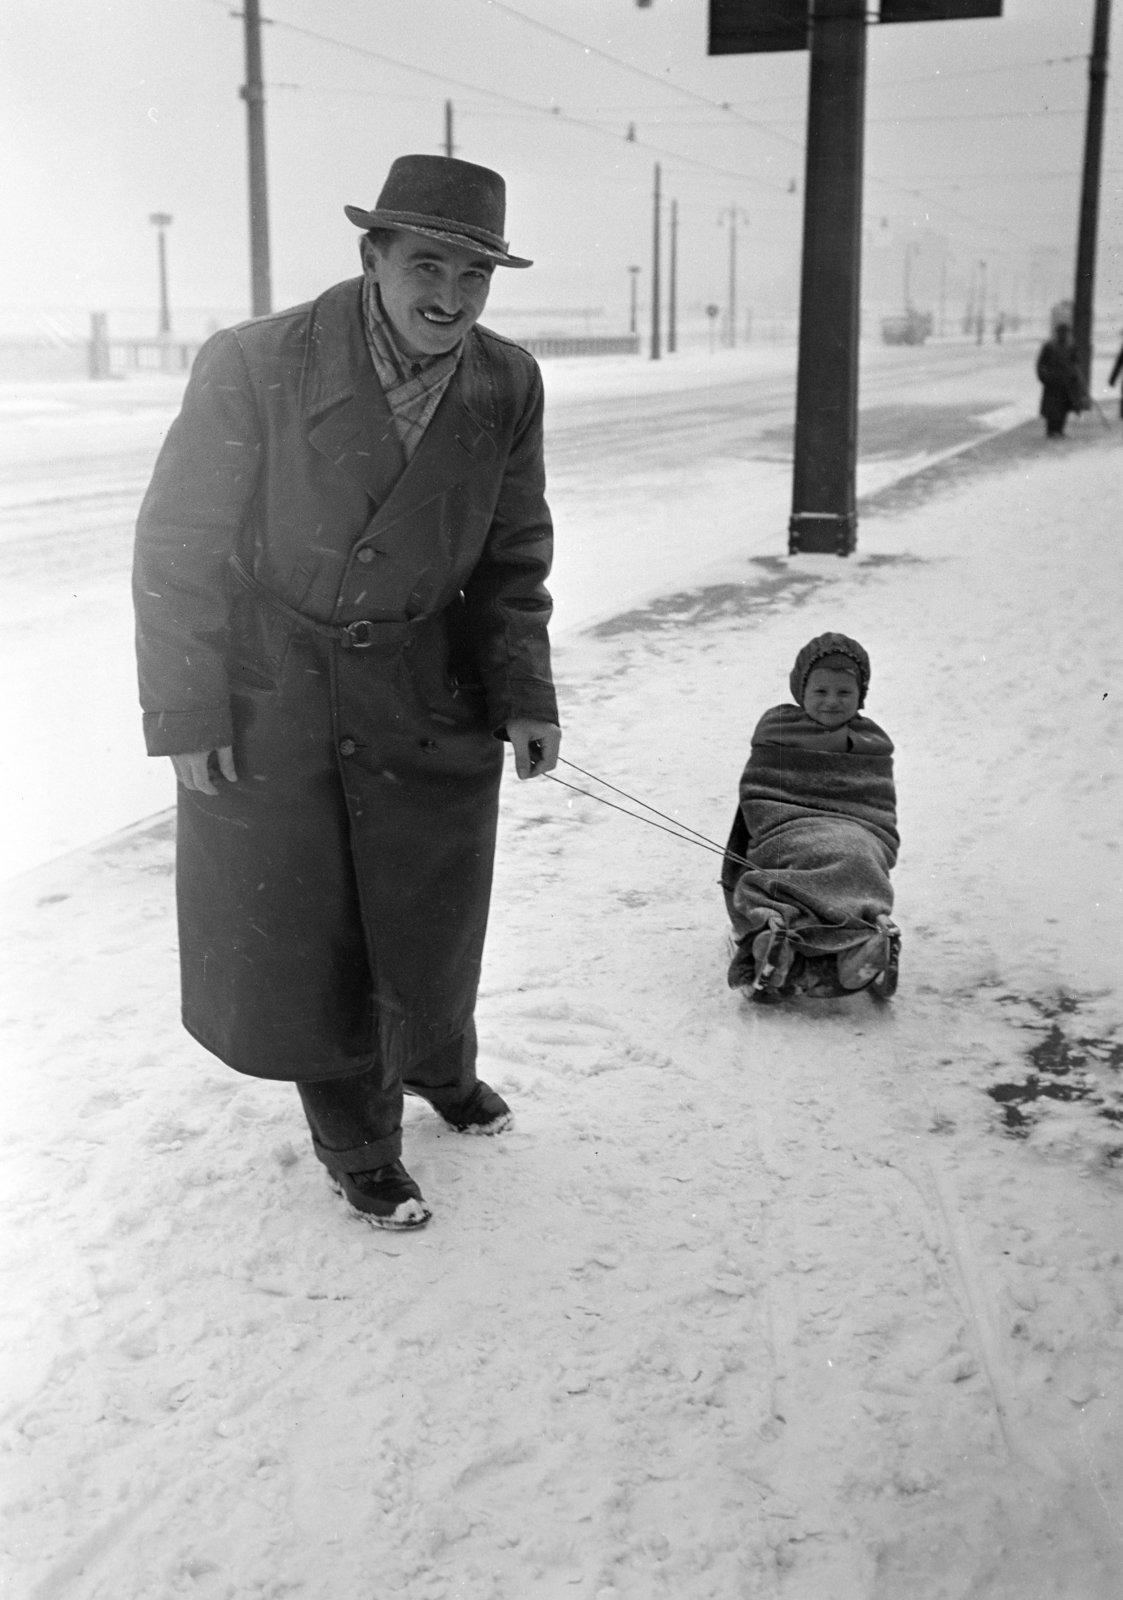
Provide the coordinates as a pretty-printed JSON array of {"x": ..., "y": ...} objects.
[
  {"x": 981, "y": 316},
  {"x": 911, "y": 247},
  {"x": 161, "y": 220}
]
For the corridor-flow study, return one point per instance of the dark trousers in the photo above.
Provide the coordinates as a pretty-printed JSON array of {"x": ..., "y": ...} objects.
[{"x": 356, "y": 1122}]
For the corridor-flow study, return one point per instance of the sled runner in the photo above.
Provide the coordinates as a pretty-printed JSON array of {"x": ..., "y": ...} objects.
[{"x": 780, "y": 963}]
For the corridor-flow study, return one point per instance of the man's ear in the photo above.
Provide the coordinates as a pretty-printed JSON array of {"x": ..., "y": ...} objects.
[{"x": 368, "y": 255}]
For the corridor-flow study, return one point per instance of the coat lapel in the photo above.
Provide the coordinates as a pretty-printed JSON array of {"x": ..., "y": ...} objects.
[
  {"x": 350, "y": 424},
  {"x": 358, "y": 436},
  {"x": 346, "y": 413},
  {"x": 460, "y": 439}
]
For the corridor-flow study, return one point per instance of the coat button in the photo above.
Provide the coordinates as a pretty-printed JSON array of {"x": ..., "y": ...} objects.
[
  {"x": 365, "y": 554},
  {"x": 347, "y": 747}
]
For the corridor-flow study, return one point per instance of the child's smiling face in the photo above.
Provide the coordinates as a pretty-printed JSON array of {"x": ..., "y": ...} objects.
[{"x": 830, "y": 697}]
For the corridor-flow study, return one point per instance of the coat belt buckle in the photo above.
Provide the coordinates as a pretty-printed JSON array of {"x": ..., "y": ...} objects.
[{"x": 360, "y": 635}]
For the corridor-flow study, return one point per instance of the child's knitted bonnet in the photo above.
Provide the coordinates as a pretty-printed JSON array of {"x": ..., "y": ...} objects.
[{"x": 836, "y": 651}]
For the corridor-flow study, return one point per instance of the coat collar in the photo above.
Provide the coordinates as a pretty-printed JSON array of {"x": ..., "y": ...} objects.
[{"x": 349, "y": 420}]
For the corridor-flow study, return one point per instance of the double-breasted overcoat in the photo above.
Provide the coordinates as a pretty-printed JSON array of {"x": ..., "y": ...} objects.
[{"x": 360, "y": 630}]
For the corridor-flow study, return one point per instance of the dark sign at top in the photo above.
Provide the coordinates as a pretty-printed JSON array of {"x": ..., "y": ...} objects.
[
  {"x": 938, "y": 10},
  {"x": 745, "y": 27}
]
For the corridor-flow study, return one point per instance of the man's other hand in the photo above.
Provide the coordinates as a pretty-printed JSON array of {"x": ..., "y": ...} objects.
[
  {"x": 194, "y": 770},
  {"x": 536, "y": 746}
]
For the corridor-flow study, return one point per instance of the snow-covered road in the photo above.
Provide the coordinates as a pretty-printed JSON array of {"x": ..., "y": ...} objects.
[
  {"x": 752, "y": 1303},
  {"x": 636, "y": 449}
]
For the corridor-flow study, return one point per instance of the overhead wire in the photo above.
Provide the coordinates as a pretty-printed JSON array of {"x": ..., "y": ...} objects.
[
  {"x": 680, "y": 89},
  {"x": 556, "y": 113}
]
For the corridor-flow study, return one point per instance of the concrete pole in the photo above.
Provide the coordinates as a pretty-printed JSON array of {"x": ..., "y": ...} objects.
[
  {"x": 450, "y": 148},
  {"x": 672, "y": 298},
  {"x": 635, "y": 272},
  {"x": 1090, "y": 193},
  {"x": 656, "y": 350},
  {"x": 253, "y": 93},
  {"x": 824, "y": 508},
  {"x": 98, "y": 347}
]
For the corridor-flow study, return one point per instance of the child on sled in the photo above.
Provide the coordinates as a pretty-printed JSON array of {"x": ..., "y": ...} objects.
[{"x": 806, "y": 876}]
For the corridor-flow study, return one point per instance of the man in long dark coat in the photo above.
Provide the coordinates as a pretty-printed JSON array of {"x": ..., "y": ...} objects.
[
  {"x": 341, "y": 611},
  {"x": 1062, "y": 388}
]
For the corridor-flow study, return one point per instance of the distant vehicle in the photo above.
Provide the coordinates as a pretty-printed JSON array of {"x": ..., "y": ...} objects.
[{"x": 910, "y": 327}]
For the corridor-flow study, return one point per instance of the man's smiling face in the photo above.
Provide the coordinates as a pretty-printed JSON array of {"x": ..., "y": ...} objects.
[{"x": 432, "y": 292}]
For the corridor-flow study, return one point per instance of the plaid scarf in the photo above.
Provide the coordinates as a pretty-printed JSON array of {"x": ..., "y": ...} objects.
[{"x": 413, "y": 389}]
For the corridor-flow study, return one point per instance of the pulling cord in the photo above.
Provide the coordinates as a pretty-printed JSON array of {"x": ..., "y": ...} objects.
[{"x": 688, "y": 836}]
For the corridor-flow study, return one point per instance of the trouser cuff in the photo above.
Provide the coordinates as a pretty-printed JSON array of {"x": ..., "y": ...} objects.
[{"x": 364, "y": 1157}]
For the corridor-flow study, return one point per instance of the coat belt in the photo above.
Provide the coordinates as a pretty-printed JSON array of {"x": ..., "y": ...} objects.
[{"x": 359, "y": 635}]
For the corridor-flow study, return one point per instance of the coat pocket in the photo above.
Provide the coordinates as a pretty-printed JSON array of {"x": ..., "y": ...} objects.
[
  {"x": 445, "y": 686},
  {"x": 258, "y": 643}
]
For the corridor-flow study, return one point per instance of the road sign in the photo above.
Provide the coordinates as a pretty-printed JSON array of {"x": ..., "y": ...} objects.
[
  {"x": 748, "y": 27},
  {"x": 938, "y": 10}
]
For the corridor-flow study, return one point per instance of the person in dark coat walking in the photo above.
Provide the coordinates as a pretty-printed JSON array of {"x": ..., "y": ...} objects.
[
  {"x": 341, "y": 610},
  {"x": 1116, "y": 371},
  {"x": 1062, "y": 388}
]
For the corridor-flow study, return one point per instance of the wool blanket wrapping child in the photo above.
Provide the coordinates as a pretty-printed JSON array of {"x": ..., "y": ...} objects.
[{"x": 818, "y": 825}]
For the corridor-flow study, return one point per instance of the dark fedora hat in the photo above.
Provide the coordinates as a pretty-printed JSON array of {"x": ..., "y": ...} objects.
[{"x": 446, "y": 199}]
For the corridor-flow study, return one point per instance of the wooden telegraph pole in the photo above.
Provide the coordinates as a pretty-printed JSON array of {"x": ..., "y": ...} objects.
[
  {"x": 450, "y": 148},
  {"x": 1090, "y": 193},
  {"x": 253, "y": 93}
]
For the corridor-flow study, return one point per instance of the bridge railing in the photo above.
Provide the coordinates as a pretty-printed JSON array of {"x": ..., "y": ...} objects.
[{"x": 109, "y": 356}]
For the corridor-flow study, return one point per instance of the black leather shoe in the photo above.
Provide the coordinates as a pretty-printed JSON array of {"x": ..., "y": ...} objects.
[
  {"x": 480, "y": 1111},
  {"x": 387, "y": 1197}
]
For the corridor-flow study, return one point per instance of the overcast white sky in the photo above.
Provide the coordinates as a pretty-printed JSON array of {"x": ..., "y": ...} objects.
[{"x": 112, "y": 111}]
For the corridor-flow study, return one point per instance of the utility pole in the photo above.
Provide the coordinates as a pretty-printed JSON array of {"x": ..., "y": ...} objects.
[
  {"x": 450, "y": 148},
  {"x": 253, "y": 93},
  {"x": 824, "y": 505},
  {"x": 635, "y": 272},
  {"x": 981, "y": 314},
  {"x": 1090, "y": 193},
  {"x": 672, "y": 305},
  {"x": 656, "y": 352},
  {"x": 161, "y": 220}
]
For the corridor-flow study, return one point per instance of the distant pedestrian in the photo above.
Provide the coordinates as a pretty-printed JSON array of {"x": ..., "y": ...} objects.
[
  {"x": 1062, "y": 388},
  {"x": 1116, "y": 370}
]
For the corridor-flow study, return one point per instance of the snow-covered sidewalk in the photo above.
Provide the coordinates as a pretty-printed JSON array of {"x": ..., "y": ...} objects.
[{"x": 752, "y": 1302}]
